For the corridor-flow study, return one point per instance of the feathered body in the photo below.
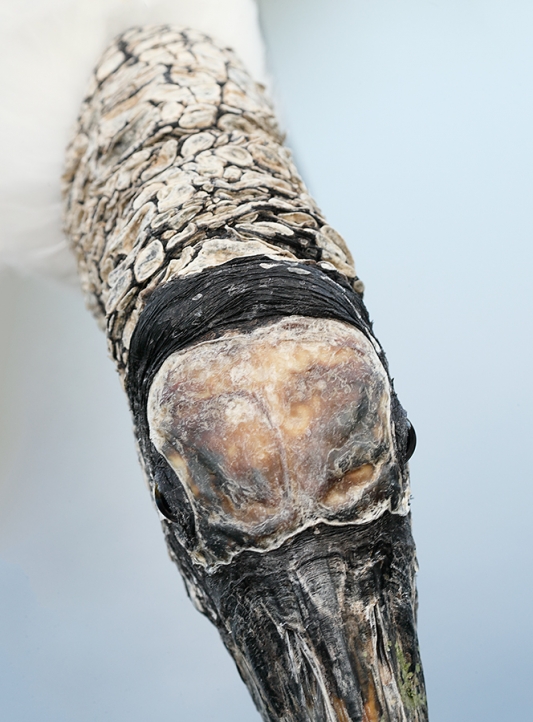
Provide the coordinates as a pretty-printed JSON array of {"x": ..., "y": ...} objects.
[{"x": 48, "y": 50}]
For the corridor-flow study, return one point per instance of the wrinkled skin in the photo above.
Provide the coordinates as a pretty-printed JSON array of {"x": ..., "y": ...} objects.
[
  {"x": 276, "y": 456},
  {"x": 275, "y": 430},
  {"x": 281, "y": 437}
]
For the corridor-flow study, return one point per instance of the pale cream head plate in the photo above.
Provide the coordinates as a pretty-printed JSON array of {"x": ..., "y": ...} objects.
[{"x": 278, "y": 429}]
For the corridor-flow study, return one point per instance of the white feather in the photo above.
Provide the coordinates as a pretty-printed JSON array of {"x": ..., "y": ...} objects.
[{"x": 47, "y": 51}]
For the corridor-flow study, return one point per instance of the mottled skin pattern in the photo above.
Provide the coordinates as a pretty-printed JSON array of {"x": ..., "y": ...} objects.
[
  {"x": 177, "y": 166},
  {"x": 275, "y": 430}
]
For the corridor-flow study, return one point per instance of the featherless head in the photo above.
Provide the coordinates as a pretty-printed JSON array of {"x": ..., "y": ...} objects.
[{"x": 268, "y": 427}]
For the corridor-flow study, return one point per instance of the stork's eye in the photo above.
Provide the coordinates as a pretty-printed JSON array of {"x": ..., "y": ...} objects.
[
  {"x": 163, "y": 505},
  {"x": 411, "y": 442}
]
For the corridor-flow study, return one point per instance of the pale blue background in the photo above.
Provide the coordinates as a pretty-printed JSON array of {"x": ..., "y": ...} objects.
[{"x": 412, "y": 121}]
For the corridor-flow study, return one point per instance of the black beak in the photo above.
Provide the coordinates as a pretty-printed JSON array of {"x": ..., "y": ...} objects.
[{"x": 323, "y": 629}]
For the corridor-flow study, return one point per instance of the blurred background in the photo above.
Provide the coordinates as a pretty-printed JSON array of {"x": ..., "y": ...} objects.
[{"x": 411, "y": 121}]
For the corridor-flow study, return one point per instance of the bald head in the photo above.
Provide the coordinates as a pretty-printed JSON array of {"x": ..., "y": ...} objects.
[{"x": 277, "y": 429}]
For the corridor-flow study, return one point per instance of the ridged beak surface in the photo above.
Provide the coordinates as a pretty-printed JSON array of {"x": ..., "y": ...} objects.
[{"x": 323, "y": 629}]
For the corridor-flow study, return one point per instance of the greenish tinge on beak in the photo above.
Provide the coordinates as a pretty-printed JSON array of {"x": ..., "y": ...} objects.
[{"x": 323, "y": 628}]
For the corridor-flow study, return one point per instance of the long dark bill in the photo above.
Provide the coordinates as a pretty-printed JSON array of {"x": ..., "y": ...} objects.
[{"x": 323, "y": 629}]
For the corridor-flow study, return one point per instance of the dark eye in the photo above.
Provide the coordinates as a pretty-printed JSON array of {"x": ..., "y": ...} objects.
[
  {"x": 163, "y": 505},
  {"x": 411, "y": 442}
]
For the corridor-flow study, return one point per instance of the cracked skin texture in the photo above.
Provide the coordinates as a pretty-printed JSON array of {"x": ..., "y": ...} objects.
[
  {"x": 273, "y": 430},
  {"x": 176, "y": 168}
]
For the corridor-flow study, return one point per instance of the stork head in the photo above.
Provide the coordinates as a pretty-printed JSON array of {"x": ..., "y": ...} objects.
[{"x": 279, "y": 467}]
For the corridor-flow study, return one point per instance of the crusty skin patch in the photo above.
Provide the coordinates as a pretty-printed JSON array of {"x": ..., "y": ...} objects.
[{"x": 277, "y": 429}]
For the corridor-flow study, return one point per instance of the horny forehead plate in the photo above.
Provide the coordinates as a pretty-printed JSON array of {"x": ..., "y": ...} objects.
[{"x": 277, "y": 429}]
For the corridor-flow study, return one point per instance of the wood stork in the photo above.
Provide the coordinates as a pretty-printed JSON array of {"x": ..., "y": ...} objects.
[{"x": 271, "y": 437}]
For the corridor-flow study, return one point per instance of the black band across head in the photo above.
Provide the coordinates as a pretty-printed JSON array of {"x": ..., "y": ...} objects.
[{"x": 239, "y": 294}]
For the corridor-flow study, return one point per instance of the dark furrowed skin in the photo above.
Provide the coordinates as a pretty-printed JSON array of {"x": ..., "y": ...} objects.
[
  {"x": 323, "y": 628},
  {"x": 272, "y": 440}
]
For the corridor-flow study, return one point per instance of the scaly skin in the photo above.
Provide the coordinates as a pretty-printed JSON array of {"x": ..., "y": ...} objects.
[
  {"x": 274, "y": 445},
  {"x": 177, "y": 164}
]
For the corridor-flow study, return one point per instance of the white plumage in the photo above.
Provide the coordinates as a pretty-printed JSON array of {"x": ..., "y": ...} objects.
[{"x": 47, "y": 51}]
